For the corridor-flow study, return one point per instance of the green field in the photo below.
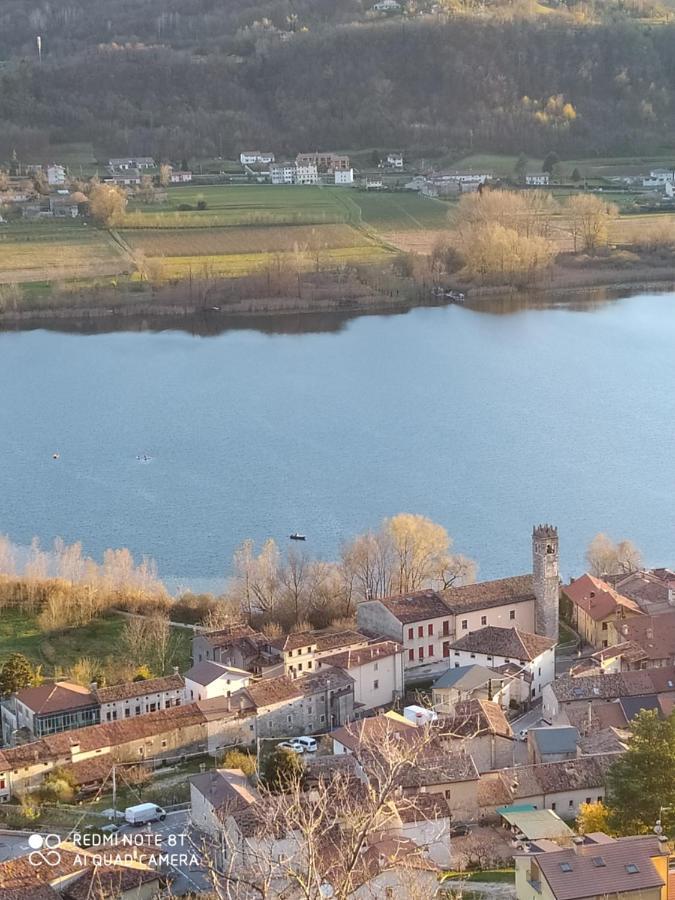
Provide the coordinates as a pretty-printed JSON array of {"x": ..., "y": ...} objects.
[{"x": 20, "y": 633}]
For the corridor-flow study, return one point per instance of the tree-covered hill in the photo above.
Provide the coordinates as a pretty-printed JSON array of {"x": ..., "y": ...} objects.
[{"x": 427, "y": 84}]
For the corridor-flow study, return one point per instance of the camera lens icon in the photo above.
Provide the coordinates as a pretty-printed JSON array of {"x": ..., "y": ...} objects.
[{"x": 44, "y": 849}]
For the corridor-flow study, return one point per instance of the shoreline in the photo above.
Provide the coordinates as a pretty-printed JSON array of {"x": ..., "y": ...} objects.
[{"x": 169, "y": 306}]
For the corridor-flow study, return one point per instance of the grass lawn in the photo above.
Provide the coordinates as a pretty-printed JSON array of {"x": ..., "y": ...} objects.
[
  {"x": 391, "y": 212},
  {"x": 503, "y": 876},
  {"x": 20, "y": 633}
]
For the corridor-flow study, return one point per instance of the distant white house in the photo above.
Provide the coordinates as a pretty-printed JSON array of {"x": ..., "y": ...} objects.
[
  {"x": 387, "y": 6},
  {"x": 374, "y": 184},
  {"x": 56, "y": 175},
  {"x": 468, "y": 177},
  {"x": 306, "y": 173},
  {"x": 132, "y": 162},
  {"x": 180, "y": 177},
  {"x": 395, "y": 160},
  {"x": 255, "y": 157},
  {"x": 538, "y": 178},
  {"x": 344, "y": 176},
  {"x": 659, "y": 178}
]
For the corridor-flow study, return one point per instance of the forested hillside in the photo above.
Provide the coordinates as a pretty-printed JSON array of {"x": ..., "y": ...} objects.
[{"x": 202, "y": 78}]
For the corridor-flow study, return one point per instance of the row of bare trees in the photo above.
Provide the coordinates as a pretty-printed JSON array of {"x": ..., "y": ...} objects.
[
  {"x": 406, "y": 553},
  {"x": 512, "y": 234}
]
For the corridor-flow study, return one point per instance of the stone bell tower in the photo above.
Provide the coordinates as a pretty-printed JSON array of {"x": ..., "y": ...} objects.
[{"x": 546, "y": 579}]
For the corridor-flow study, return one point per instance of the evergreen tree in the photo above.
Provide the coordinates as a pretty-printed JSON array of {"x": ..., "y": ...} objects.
[
  {"x": 576, "y": 175},
  {"x": 282, "y": 769},
  {"x": 642, "y": 782},
  {"x": 550, "y": 161},
  {"x": 16, "y": 674},
  {"x": 520, "y": 168}
]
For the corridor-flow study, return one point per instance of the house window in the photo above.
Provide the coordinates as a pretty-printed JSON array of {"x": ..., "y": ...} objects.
[
  {"x": 420, "y": 652},
  {"x": 376, "y": 684},
  {"x": 299, "y": 667},
  {"x": 571, "y": 804},
  {"x": 456, "y": 652},
  {"x": 553, "y": 806},
  {"x": 138, "y": 709},
  {"x": 604, "y": 626},
  {"x": 420, "y": 631},
  {"x": 483, "y": 620},
  {"x": 540, "y": 670},
  {"x": 588, "y": 799},
  {"x": 430, "y": 630},
  {"x": 446, "y": 649},
  {"x": 599, "y": 799},
  {"x": 289, "y": 719},
  {"x": 446, "y": 628},
  {"x": 431, "y": 649},
  {"x": 127, "y": 713},
  {"x": 376, "y": 667},
  {"x": 604, "y": 644},
  {"x": 465, "y": 624},
  {"x": 411, "y": 656},
  {"x": 489, "y": 659},
  {"x": 411, "y": 633},
  {"x": 512, "y": 614},
  {"x": 163, "y": 743},
  {"x": 457, "y": 665},
  {"x": 309, "y": 664},
  {"x": 322, "y": 718},
  {"x": 473, "y": 656}
]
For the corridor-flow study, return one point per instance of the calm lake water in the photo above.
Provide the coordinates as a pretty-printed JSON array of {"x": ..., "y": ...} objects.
[{"x": 485, "y": 422}]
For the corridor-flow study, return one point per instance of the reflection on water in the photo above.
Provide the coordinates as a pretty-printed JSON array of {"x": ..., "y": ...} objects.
[{"x": 209, "y": 323}]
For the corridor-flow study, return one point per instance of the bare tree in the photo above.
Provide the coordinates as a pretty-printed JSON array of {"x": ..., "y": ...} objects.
[
  {"x": 605, "y": 557},
  {"x": 590, "y": 218}
]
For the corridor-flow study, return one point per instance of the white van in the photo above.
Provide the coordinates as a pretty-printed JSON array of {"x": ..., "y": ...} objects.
[
  {"x": 308, "y": 744},
  {"x": 144, "y": 813}
]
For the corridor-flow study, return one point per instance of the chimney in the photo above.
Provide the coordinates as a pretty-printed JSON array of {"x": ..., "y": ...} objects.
[
  {"x": 93, "y": 686},
  {"x": 229, "y": 703},
  {"x": 176, "y": 670},
  {"x": 578, "y": 843},
  {"x": 650, "y": 634},
  {"x": 624, "y": 630}
]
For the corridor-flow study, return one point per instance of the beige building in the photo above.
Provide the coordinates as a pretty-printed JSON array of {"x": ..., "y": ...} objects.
[
  {"x": 595, "y": 867},
  {"x": 377, "y": 672},
  {"x": 301, "y": 650},
  {"x": 136, "y": 698},
  {"x": 592, "y": 607}
]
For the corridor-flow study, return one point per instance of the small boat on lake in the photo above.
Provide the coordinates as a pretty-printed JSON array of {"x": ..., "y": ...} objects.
[
  {"x": 297, "y": 537},
  {"x": 56, "y": 455}
]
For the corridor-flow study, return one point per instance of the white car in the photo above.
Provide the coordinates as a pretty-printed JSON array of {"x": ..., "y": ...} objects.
[
  {"x": 522, "y": 734},
  {"x": 294, "y": 746},
  {"x": 308, "y": 744}
]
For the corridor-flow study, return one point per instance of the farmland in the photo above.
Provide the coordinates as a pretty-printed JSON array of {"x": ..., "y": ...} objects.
[{"x": 56, "y": 251}]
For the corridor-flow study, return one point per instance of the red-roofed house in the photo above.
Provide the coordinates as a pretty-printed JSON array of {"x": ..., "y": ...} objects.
[
  {"x": 592, "y": 606},
  {"x": 377, "y": 670}
]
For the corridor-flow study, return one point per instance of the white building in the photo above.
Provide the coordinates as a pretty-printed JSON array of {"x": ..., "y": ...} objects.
[
  {"x": 180, "y": 177},
  {"x": 659, "y": 178},
  {"x": 387, "y": 6},
  {"x": 377, "y": 671},
  {"x": 136, "y": 698},
  {"x": 306, "y": 173},
  {"x": 132, "y": 162},
  {"x": 468, "y": 177},
  {"x": 538, "y": 178},
  {"x": 209, "y": 679},
  {"x": 395, "y": 160},
  {"x": 283, "y": 173},
  {"x": 344, "y": 176},
  {"x": 56, "y": 175},
  {"x": 493, "y": 647},
  {"x": 255, "y": 157}
]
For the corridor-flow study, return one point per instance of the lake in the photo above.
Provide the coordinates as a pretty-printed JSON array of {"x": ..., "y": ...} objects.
[{"x": 485, "y": 421}]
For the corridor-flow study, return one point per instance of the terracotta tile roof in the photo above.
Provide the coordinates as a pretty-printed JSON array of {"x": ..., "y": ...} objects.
[
  {"x": 432, "y": 768},
  {"x": 416, "y": 606},
  {"x": 270, "y": 691},
  {"x": 424, "y": 807},
  {"x": 227, "y": 790},
  {"x": 511, "y": 643},
  {"x": 655, "y": 635},
  {"x": 472, "y": 718},
  {"x": 99, "y": 737},
  {"x": 349, "y": 659},
  {"x": 604, "y": 869},
  {"x": 224, "y": 637},
  {"x": 56, "y": 696},
  {"x": 570, "y": 775},
  {"x": 598, "y": 599},
  {"x": 109, "y": 882},
  {"x": 30, "y": 892},
  {"x": 90, "y": 771},
  {"x": 606, "y": 740},
  {"x": 648, "y": 590},
  {"x": 485, "y": 594},
  {"x": 603, "y": 714},
  {"x": 612, "y": 686},
  {"x": 369, "y": 732},
  {"x": 116, "y": 692},
  {"x": 294, "y": 641},
  {"x": 336, "y": 640},
  {"x": 493, "y": 792}
]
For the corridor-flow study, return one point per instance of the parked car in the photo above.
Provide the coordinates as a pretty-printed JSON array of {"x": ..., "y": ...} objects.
[
  {"x": 144, "y": 813},
  {"x": 294, "y": 746},
  {"x": 460, "y": 831},
  {"x": 522, "y": 734},
  {"x": 309, "y": 744}
]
